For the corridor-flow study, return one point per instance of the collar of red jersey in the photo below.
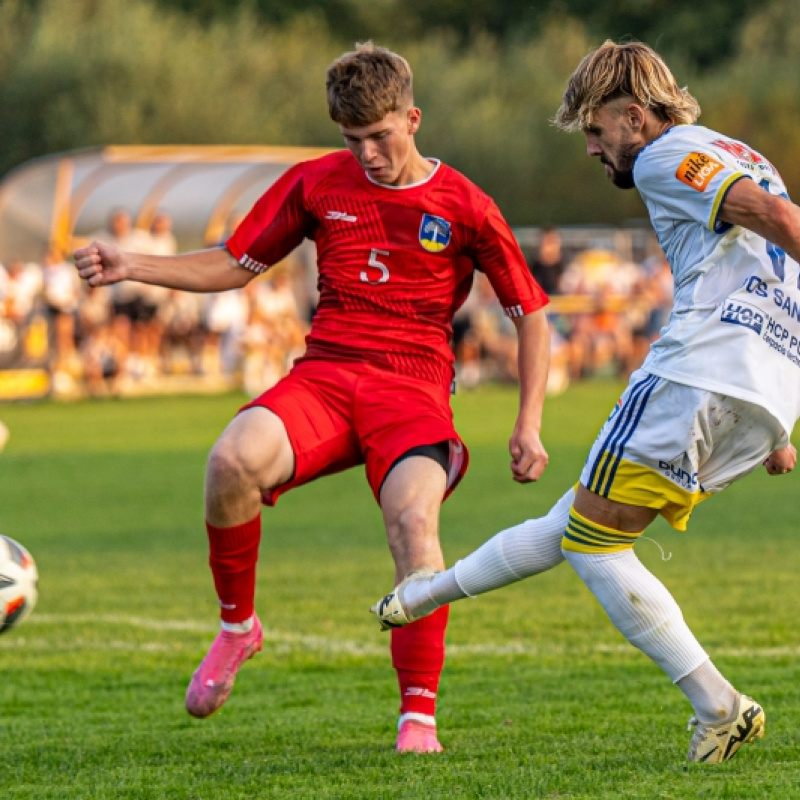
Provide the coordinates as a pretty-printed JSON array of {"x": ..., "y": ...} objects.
[{"x": 436, "y": 164}]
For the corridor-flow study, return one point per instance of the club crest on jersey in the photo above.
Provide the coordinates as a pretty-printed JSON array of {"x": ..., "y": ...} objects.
[{"x": 434, "y": 233}]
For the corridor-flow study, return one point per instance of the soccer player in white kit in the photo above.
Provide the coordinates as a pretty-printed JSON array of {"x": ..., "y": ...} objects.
[{"x": 717, "y": 396}]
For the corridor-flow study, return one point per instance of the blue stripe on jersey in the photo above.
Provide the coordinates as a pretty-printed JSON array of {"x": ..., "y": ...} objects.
[{"x": 605, "y": 466}]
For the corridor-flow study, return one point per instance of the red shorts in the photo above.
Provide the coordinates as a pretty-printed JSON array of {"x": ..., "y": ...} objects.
[{"x": 340, "y": 415}]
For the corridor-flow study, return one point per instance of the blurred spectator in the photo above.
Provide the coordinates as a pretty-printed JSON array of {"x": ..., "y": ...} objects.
[
  {"x": 96, "y": 309},
  {"x": 162, "y": 239},
  {"x": 605, "y": 313},
  {"x": 466, "y": 346},
  {"x": 595, "y": 271},
  {"x": 181, "y": 314},
  {"x": 275, "y": 332},
  {"x": 21, "y": 288},
  {"x": 558, "y": 374},
  {"x": 147, "y": 328},
  {"x": 127, "y": 296},
  {"x": 599, "y": 333},
  {"x": 122, "y": 233},
  {"x": 494, "y": 334},
  {"x": 650, "y": 304},
  {"x": 548, "y": 264},
  {"x": 62, "y": 296},
  {"x": 105, "y": 354},
  {"x": 225, "y": 319}
]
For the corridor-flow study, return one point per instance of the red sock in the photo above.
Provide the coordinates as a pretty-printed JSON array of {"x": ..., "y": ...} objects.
[
  {"x": 233, "y": 557},
  {"x": 418, "y": 657}
]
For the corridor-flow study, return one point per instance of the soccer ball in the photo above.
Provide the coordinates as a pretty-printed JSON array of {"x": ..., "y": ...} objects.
[{"x": 18, "y": 583}]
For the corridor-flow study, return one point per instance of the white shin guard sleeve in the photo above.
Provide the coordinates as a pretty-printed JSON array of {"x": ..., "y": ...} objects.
[
  {"x": 641, "y": 608},
  {"x": 513, "y": 554}
]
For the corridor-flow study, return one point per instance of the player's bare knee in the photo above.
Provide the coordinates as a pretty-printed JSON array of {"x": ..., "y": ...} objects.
[
  {"x": 227, "y": 466},
  {"x": 415, "y": 522},
  {"x": 412, "y": 534}
]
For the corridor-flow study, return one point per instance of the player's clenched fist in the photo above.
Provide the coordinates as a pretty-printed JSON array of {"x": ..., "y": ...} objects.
[
  {"x": 781, "y": 461},
  {"x": 100, "y": 264},
  {"x": 528, "y": 458}
]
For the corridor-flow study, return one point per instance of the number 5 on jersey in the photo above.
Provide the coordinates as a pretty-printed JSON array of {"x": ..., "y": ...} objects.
[{"x": 382, "y": 274}]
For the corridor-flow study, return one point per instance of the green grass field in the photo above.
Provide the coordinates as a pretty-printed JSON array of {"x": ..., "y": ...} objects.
[{"x": 541, "y": 698}]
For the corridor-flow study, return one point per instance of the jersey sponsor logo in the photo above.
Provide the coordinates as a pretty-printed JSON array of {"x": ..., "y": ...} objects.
[
  {"x": 737, "y": 312},
  {"x": 688, "y": 480},
  {"x": 697, "y": 170},
  {"x": 434, "y": 233},
  {"x": 739, "y": 151},
  {"x": 341, "y": 215}
]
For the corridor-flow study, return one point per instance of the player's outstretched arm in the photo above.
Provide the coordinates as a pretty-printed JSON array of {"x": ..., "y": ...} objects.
[
  {"x": 211, "y": 270},
  {"x": 528, "y": 456},
  {"x": 775, "y": 218}
]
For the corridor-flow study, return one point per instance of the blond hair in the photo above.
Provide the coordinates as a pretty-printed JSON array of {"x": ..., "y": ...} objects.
[
  {"x": 624, "y": 70},
  {"x": 366, "y": 84}
]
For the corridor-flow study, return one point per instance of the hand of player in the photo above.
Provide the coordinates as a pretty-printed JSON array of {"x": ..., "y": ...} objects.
[
  {"x": 781, "y": 461},
  {"x": 528, "y": 457},
  {"x": 100, "y": 264}
]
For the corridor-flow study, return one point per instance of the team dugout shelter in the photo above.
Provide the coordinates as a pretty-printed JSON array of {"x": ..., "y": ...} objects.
[{"x": 57, "y": 202}]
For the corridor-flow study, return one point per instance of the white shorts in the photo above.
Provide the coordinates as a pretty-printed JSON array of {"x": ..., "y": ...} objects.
[{"x": 669, "y": 446}]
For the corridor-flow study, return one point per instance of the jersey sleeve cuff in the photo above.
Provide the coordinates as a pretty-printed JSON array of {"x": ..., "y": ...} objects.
[
  {"x": 714, "y": 223},
  {"x": 244, "y": 260}
]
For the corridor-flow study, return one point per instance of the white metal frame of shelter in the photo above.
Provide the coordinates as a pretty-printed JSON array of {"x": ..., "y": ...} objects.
[{"x": 57, "y": 201}]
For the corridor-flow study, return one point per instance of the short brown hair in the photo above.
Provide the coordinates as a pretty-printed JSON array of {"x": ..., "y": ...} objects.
[
  {"x": 624, "y": 70},
  {"x": 367, "y": 84}
]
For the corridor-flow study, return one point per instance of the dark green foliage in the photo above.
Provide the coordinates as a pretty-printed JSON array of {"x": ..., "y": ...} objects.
[
  {"x": 489, "y": 77},
  {"x": 704, "y": 33}
]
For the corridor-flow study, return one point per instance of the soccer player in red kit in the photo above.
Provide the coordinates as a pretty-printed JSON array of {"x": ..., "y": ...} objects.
[{"x": 398, "y": 237}]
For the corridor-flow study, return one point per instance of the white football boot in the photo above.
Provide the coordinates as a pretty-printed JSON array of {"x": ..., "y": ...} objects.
[
  {"x": 392, "y": 612},
  {"x": 712, "y": 744}
]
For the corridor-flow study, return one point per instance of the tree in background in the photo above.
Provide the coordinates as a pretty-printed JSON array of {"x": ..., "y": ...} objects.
[
  {"x": 77, "y": 73},
  {"x": 701, "y": 33}
]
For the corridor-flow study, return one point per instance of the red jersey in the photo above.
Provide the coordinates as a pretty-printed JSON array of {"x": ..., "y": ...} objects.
[{"x": 395, "y": 263}]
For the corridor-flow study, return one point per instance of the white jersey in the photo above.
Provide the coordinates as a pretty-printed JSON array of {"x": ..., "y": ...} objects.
[{"x": 735, "y": 324}]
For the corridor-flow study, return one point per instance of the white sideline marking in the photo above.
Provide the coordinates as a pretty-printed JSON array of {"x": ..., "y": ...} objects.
[{"x": 284, "y": 641}]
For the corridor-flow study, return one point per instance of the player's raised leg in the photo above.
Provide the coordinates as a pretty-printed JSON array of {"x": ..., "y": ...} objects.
[
  {"x": 526, "y": 549},
  {"x": 252, "y": 453},
  {"x": 411, "y": 498}
]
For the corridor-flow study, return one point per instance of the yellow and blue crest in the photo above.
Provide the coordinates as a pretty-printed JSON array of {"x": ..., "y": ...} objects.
[{"x": 434, "y": 233}]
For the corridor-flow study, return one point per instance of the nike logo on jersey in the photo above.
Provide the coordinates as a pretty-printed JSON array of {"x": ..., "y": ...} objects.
[
  {"x": 341, "y": 215},
  {"x": 697, "y": 170}
]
